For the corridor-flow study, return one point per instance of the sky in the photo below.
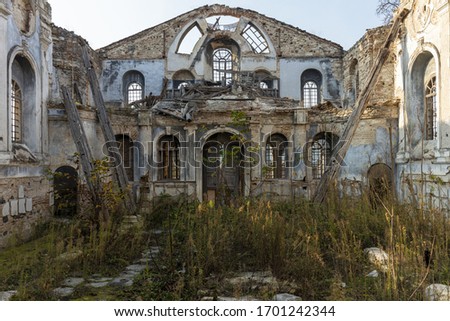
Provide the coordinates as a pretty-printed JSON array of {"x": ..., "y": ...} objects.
[{"x": 102, "y": 22}]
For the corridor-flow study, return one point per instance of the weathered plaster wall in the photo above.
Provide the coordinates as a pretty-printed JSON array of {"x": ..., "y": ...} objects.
[
  {"x": 111, "y": 81},
  {"x": 422, "y": 166},
  {"x": 292, "y": 69}
]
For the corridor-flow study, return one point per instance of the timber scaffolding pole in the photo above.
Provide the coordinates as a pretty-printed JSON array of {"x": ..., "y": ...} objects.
[
  {"x": 112, "y": 145},
  {"x": 342, "y": 147}
]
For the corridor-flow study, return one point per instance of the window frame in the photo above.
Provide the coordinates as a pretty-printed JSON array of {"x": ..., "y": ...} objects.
[
  {"x": 431, "y": 109},
  {"x": 255, "y": 39},
  {"x": 169, "y": 158},
  {"x": 310, "y": 94},
  {"x": 16, "y": 112},
  {"x": 276, "y": 157},
  {"x": 223, "y": 65}
]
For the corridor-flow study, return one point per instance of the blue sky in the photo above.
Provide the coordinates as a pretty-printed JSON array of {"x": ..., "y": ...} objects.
[{"x": 102, "y": 22}]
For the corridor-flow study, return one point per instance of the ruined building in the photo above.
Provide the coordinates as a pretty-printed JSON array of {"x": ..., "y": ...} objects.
[{"x": 219, "y": 103}]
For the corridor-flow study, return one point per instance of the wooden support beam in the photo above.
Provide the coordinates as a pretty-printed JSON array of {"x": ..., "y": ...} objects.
[
  {"x": 112, "y": 145},
  {"x": 82, "y": 145},
  {"x": 341, "y": 149}
]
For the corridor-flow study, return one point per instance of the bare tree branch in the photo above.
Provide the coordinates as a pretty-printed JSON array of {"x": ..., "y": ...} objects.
[{"x": 386, "y": 9}]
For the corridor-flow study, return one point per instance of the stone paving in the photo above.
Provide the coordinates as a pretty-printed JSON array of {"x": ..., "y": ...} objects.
[{"x": 125, "y": 279}]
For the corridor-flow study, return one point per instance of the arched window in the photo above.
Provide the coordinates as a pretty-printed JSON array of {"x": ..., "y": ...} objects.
[
  {"x": 311, "y": 81},
  {"x": 182, "y": 78},
  {"x": 430, "y": 110},
  {"x": 255, "y": 39},
  {"x": 25, "y": 127},
  {"x": 16, "y": 112},
  {"x": 321, "y": 152},
  {"x": 310, "y": 94},
  {"x": 422, "y": 100},
  {"x": 169, "y": 156},
  {"x": 223, "y": 65},
  {"x": 276, "y": 157},
  {"x": 134, "y": 85}
]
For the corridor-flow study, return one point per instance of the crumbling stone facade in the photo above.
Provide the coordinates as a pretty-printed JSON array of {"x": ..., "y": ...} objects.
[
  {"x": 26, "y": 61},
  {"x": 220, "y": 103}
]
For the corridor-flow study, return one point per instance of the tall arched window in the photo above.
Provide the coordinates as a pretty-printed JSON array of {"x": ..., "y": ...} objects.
[
  {"x": 24, "y": 126},
  {"x": 310, "y": 94},
  {"x": 311, "y": 87},
  {"x": 16, "y": 112},
  {"x": 422, "y": 100},
  {"x": 169, "y": 155},
  {"x": 430, "y": 110},
  {"x": 223, "y": 65},
  {"x": 134, "y": 85},
  {"x": 276, "y": 157}
]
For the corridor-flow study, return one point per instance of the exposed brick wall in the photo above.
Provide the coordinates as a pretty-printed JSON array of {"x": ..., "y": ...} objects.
[
  {"x": 24, "y": 202},
  {"x": 365, "y": 51},
  {"x": 69, "y": 66}
]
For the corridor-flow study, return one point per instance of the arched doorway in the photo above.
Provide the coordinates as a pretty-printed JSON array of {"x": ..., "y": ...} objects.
[
  {"x": 380, "y": 182},
  {"x": 65, "y": 182},
  {"x": 222, "y": 170}
]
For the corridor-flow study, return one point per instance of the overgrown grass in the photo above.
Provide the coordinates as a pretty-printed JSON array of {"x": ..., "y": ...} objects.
[
  {"x": 317, "y": 248},
  {"x": 63, "y": 249}
]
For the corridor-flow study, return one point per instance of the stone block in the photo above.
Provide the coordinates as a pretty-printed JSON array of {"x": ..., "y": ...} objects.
[
  {"x": 51, "y": 199},
  {"x": 6, "y": 210},
  {"x": 22, "y": 206},
  {"x": 21, "y": 191},
  {"x": 29, "y": 205},
  {"x": 14, "y": 206}
]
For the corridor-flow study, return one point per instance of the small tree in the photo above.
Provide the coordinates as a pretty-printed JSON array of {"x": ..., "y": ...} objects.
[{"x": 386, "y": 9}]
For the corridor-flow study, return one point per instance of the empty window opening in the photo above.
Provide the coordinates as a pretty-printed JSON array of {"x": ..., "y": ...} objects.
[
  {"x": 170, "y": 158},
  {"x": 255, "y": 39},
  {"x": 354, "y": 78},
  {"x": 189, "y": 40},
  {"x": 310, "y": 94},
  {"x": 224, "y": 23},
  {"x": 276, "y": 157},
  {"x": 223, "y": 66},
  {"x": 16, "y": 112},
  {"x": 431, "y": 110}
]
